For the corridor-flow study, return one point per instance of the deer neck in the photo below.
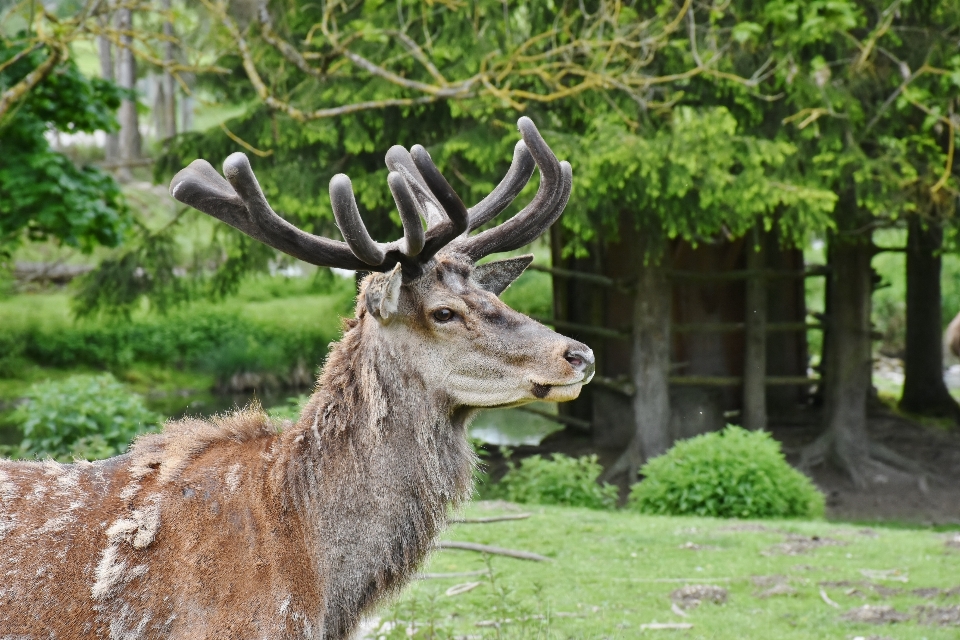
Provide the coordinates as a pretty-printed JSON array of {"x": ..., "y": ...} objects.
[{"x": 380, "y": 461}]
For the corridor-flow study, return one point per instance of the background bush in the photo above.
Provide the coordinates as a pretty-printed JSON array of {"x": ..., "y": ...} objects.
[
  {"x": 219, "y": 343},
  {"x": 85, "y": 416},
  {"x": 734, "y": 473},
  {"x": 559, "y": 480}
]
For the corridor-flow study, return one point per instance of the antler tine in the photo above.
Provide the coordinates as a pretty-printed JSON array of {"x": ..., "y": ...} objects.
[
  {"x": 409, "y": 216},
  {"x": 520, "y": 231},
  {"x": 509, "y": 188},
  {"x": 451, "y": 203},
  {"x": 399, "y": 159},
  {"x": 351, "y": 225},
  {"x": 556, "y": 181},
  {"x": 240, "y": 203}
]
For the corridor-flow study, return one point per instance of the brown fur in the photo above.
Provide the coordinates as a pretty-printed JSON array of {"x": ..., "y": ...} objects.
[{"x": 234, "y": 528}]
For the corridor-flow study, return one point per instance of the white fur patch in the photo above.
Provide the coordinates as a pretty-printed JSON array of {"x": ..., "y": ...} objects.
[
  {"x": 140, "y": 528},
  {"x": 109, "y": 573},
  {"x": 7, "y": 523},
  {"x": 120, "y": 626},
  {"x": 8, "y": 490},
  {"x": 56, "y": 525},
  {"x": 233, "y": 477}
]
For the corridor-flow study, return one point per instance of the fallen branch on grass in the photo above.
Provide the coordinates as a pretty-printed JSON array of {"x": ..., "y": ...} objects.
[
  {"x": 826, "y": 598},
  {"x": 519, "y": 516},
  {"x": 494, "y": 551},
  {"x": 455, "y": 574},
  {"x": 656, "y": 626},
  {"x": 457, "y": 589}
]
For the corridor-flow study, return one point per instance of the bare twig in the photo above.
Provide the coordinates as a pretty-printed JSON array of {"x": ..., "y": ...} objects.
[
  {"x": 445, "y": 576},
  {"x": 518, "y": 516},
  {"x": 659, "y": 626},
  {"x": 826, "y": 599},
  {"x": 243, "y": 143},
  {"x": 494, "y": 551}
]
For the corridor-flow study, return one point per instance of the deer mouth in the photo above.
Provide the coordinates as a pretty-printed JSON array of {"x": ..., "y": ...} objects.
[{"x": 560, "y": 391}]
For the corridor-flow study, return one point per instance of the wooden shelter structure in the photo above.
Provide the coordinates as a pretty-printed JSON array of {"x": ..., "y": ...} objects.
[{"x": 738, "y": 332}]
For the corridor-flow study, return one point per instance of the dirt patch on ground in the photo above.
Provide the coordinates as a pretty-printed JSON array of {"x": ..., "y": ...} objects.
[
  {"x": 926, "y": 614},
  {"x": 693, "y": 546},
  {"x": 690, "y": 596},
  {"x": 874, "y": 614},
  {"x": 933, "y": 502},
  {"x": 939, "y": 616},
  {"x": 796, "y": 545},
  {"x": 782, "y": 589}
]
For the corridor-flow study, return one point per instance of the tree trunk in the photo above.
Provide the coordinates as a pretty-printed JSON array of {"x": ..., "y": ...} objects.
[
  {"x": 847, "y": 364},
  {"x": 924, "y": 391},
  {"x": 846, "y": 373},
  {"x": 127, "y": 78},
  {"x": 169, "y": 103},
  {"x": 112, "y": 149},
  {"x": 755, "y": 355},
  {"x": 650, "y": 364}
]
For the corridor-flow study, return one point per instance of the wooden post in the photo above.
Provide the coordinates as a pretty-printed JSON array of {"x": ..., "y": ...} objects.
[{"x": 755, "y": 355}]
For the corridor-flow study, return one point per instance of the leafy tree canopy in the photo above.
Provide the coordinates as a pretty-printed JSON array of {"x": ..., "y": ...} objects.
[
  {"x": 638, "y": 139},
  {"x": 42, "y": 193},
  {"x": 865, "y": 90}
]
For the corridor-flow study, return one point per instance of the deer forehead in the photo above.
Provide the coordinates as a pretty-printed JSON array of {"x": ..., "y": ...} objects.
[{"x": 450, "y": 284}]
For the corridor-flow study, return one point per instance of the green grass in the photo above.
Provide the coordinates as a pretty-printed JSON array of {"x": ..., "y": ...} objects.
[{"x": 616, "y": 570}]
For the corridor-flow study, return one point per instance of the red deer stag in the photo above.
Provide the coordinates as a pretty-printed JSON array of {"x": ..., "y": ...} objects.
[{"x": 233, "y": 528}]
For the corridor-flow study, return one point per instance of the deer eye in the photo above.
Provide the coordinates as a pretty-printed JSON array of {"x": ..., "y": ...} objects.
[{"x": 443, "y": 315}]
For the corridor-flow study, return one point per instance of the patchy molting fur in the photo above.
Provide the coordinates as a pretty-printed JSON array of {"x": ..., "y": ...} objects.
[{"x": 234, "y": 528}]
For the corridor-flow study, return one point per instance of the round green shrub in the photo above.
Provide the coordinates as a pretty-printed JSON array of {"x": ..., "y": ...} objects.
[
  {"x": 733, "y": 473},
  {"x": 86, "y": 416},
  {"x": 561, "y": 480}
]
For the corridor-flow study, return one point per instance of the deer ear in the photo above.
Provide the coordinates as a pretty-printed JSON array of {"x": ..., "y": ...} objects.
[
  {"x": 382, "y": 296},
  {"x": 496, "y": 276}
]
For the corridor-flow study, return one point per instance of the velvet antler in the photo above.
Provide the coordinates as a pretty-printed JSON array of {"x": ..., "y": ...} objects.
[{"x": 419, "y": 190}]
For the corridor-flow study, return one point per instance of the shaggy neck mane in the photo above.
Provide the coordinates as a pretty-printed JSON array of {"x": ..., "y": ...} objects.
[
  {"x": 385, "y": 458},
  {"x": 367, "y": 473}
]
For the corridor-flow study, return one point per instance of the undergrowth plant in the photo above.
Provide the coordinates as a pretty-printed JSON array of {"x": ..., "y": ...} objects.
[
  {"x": 733, "y": 473},
  {"x": 216, "y": 342},
  {"x": 84, "y": 416},
  {"x": 559, "y": 480}
]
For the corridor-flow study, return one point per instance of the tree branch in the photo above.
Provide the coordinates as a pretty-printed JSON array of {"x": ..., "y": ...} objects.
[{"x": 32, "y": 79}]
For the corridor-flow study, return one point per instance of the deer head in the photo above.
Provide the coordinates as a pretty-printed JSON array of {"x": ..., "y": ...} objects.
[{"x": 427, "y": 301}]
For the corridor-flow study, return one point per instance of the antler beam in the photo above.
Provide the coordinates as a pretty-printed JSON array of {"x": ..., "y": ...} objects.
[
  {"x": 420, "y": 192},
  {"x": 241, "y": 204}
]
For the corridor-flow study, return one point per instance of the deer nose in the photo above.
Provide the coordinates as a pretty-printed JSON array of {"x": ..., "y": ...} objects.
[{"x": 581, "y": 359}]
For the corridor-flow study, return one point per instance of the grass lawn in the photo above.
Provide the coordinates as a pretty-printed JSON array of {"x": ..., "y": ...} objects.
[{"x": 613, "y": 572}]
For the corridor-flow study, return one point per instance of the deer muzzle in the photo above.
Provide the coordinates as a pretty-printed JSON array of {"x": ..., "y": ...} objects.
[{"x": 579, "y": 366}]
